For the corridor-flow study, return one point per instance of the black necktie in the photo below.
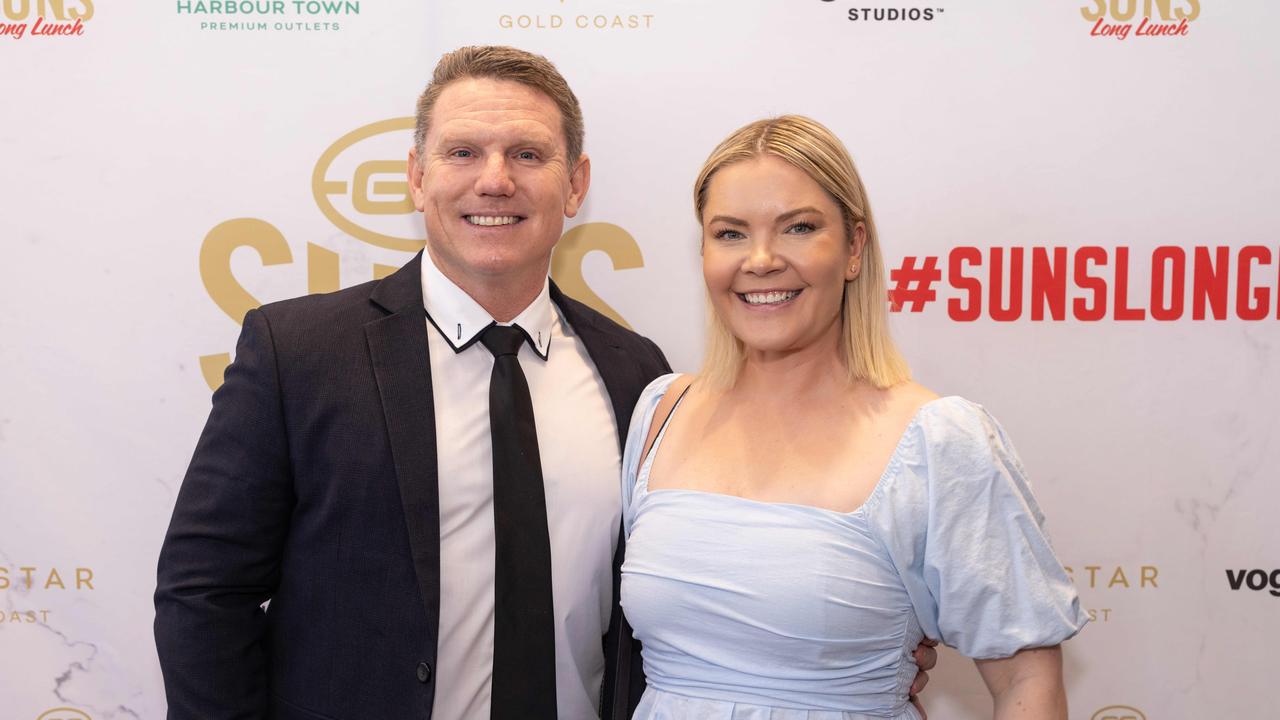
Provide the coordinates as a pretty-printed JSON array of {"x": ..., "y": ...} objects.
[{"x": 524, "y": 644}]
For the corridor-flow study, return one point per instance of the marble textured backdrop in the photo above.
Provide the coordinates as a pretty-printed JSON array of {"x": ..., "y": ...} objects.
[{"x": 997, "y": 125}]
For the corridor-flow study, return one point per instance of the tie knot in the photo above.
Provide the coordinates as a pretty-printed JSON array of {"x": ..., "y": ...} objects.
[{"x": 502, "y": 339}]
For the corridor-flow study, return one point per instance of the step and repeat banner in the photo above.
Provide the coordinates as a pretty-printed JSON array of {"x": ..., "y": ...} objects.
[{"x": 1077, "y": 200}]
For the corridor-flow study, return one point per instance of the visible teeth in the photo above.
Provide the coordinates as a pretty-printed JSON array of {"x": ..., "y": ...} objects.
[
  {"x": 770, "y": 298},
  {"x": 488, "y": 220}
]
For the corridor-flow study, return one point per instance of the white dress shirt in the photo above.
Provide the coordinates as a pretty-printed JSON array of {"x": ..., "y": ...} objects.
[{"x": 578, "y": 442}]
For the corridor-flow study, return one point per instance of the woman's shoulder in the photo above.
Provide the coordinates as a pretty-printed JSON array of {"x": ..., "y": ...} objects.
[
  {"x": 893, "y": 410},
  {"x": 656, "y": 390}
]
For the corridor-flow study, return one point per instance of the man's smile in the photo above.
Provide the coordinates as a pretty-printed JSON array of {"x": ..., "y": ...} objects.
[{"x": 492, "y": 220}]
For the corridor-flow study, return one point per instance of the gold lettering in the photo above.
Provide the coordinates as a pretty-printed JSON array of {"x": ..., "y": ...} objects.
[
  {"x": 381, "y": 271},
  {"x": 1149, "y": 573},
  {"x": 53, "y": 578},
  {"x": 322, "y": 269},
  {"x": 85, "y": 14},
  {"x": 215, "y": 261},
  {"x": 4, "y": 578},
  {"x": 1195, "y": 11},
  {"x": 1118, "y": 578},
  {"x": 214, "y": 368},
  {"x": 84, "y": 578},
  {"x": 1093, "y": 574},
  {"x": 1131, "y": 9},
  {"x": 1100, "y": 10},
  {"x": 223, "y": 289},
  {"x": 26, "y": 573},
  {"x": 43, "y": 7},
  {"x": 360, "y": 199},
  {"x": 566, "y": 263},
  {"x": 20, "y": 13}
]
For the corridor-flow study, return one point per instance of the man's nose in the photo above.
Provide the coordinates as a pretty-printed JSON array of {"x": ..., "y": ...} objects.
[{"x": 494, "y": 177}]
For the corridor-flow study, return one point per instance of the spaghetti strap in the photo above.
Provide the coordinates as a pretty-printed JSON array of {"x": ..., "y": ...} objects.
[{"x": 667, "y": 419}]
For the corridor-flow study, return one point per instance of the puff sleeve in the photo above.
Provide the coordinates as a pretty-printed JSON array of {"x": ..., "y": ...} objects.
[{"x": 961, "y": 526}]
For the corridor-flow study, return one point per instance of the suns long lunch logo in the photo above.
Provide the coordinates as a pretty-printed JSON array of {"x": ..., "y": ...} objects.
[
  {"x": 1120, "y": 19},
  {"x": 44, "y": 18},
  {"x": 359, "y": 185}
]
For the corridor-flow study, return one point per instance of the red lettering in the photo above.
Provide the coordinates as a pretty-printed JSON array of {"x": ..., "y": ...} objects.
[
  {"x": 957, "y": 310},
  {"x": 42, "y": 28},
  {"x": 1164, "y": 255},
  {"x": 1151, "y": 29},
  {"x": 1085, "y": 281},
  {"x": 1048, "y": 283},
  {"x": 1262, "y": 295},
  {"x": 1209, "y": 282},
  {"x": 1123, "y": 311},
  {"x": 999, "y": 312}
]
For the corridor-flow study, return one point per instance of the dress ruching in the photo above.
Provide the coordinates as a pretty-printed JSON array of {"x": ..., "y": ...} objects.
[{"x": 749, "y": 609}]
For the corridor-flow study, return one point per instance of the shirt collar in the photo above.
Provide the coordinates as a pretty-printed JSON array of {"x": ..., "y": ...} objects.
[{"x": 460, "y": 319}]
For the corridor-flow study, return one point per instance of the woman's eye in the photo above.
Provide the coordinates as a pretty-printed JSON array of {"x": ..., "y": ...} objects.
[
  {"x": 802, "y": 228},
  {"x": 727, "y": 234}
]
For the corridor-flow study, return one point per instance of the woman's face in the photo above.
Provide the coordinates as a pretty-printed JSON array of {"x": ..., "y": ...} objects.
[{"x": 775, "y": 255}]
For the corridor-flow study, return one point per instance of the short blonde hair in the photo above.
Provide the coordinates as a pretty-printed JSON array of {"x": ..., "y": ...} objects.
[
  {"x": 867, "y": 349},
  {"x": 501, "y": 62}
]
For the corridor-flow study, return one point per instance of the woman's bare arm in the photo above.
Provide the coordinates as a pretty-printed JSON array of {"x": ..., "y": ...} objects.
[{"x": 1027, "y": 685}]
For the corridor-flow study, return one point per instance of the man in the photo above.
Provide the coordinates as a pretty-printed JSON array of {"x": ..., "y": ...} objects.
[{"x": 420, "y": 475}]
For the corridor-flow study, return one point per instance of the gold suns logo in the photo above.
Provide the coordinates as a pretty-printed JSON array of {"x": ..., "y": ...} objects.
[
  {"x": 359, "y": 185},
  {"x": 1119, "y": 712},
  {"x": 64, "y": 713},
  {"x": 1120, "y": 19}
]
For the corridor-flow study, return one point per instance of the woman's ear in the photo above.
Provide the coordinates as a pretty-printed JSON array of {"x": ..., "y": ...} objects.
[{"x": 857, "y": 241}]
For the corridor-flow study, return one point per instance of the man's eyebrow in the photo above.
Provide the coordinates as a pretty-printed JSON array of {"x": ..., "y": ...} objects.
[
  {"x": 538, "y": 140},
  {"x": 728, "y": 219}
]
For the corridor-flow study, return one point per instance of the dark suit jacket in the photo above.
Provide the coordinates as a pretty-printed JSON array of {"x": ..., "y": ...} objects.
[{"x": 314, "y": 486}]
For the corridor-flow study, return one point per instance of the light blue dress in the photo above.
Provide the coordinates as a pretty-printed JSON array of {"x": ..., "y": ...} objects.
[{"x": 751, "y": 610}]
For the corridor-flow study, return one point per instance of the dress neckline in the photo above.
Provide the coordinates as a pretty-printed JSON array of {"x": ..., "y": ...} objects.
[{"x": 890, "y": 468}]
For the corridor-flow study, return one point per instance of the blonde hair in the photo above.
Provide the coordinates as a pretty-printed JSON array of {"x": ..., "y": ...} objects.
[
  {"x": 500, "y": 62},
  {"x": 866, "y": 348}
]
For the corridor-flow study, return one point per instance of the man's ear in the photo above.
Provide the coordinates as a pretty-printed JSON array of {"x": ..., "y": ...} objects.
[
  {"x": 414, "y": 172},
  {"x": 579, "y": 181}
]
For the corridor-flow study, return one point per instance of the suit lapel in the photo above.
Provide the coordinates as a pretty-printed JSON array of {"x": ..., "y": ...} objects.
[
  {"x": 402, "y": 367},
  {"x": 621, "y": 374}
]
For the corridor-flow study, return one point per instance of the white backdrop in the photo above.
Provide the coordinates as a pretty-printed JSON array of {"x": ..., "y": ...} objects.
[{"x": 994, "y": 125}]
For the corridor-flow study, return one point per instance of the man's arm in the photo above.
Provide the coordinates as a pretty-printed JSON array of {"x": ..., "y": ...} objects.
[{"x": 221, "y": 556}]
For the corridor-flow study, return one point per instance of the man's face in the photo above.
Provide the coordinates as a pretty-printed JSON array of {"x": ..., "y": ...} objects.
[{"x": 494, "y": 182}]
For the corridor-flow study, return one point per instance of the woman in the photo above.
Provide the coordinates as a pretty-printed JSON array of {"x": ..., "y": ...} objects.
[{"x": 800, "y": 514}]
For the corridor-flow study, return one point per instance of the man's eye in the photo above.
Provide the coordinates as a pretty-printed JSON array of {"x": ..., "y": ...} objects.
[
  {"x": 527, "y": 155},
  {"x": 462, "y": 153}
]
